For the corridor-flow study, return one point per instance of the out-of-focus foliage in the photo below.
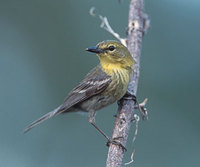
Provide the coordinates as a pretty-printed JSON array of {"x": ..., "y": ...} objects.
[{"x": 42, "y": 58}]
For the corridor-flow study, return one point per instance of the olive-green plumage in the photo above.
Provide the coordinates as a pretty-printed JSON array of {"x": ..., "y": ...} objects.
[{"x": 104, "y": 85}]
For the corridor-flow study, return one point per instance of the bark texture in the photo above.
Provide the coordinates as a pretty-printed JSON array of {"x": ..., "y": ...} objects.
[{"x": 122, "y": 125}]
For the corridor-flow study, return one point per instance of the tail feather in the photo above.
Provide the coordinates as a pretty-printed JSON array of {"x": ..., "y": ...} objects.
[{"x": 43, "y": 118}]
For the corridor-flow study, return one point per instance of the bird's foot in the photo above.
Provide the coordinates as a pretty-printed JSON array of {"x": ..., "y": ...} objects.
[
  {"x": 140, "y": 107},
  {"x": 115, "y": 142},
  {"x": 129, "y": 96}
]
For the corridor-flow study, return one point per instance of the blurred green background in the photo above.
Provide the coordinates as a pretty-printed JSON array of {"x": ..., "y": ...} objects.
[{"x": 42, "y": 58}]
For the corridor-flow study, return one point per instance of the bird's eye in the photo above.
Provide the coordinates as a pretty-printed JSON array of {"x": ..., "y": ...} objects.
[{"x": 111, "y": 48}]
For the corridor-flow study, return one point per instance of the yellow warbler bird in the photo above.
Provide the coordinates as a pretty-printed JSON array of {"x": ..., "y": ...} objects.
[{"x": 104, "y": 85}]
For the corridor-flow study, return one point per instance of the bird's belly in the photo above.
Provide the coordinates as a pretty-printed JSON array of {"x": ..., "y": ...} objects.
[{"x": 96, "y": 103}]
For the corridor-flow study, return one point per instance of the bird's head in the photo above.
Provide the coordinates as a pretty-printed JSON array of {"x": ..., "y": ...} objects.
[{"x": 113, "y": 54}]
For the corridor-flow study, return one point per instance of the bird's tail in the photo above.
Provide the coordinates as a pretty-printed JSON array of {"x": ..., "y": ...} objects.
[{"x": 43, "y": 118}]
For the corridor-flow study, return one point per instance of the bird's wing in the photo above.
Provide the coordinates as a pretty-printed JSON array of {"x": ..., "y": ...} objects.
[{"x": 94, "y": 83}]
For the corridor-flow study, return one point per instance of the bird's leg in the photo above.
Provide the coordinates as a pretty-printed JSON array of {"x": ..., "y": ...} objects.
[{"x": 91, "y": 119}]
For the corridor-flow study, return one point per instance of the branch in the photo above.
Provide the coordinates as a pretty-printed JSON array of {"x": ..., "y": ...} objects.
[
  {"x": 106, "y": 26},
  {"x": 125, "y": 114}
]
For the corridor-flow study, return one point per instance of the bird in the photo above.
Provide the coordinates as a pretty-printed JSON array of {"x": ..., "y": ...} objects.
[{"x": 102, "y": 86}]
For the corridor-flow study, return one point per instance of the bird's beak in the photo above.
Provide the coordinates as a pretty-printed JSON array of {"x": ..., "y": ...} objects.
[{"x": 94, "y": 49}]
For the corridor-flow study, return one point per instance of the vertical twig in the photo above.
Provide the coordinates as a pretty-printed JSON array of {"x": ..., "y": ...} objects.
[{"x": 126, "y": 108}]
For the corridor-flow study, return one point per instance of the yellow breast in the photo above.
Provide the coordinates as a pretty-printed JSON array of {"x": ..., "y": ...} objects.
[
  {"x": 120, "y": 79},
  {"x": 117, "y": 72}
]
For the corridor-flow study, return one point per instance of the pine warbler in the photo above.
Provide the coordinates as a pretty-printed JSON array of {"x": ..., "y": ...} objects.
[{"x": 104, "y": 85}]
